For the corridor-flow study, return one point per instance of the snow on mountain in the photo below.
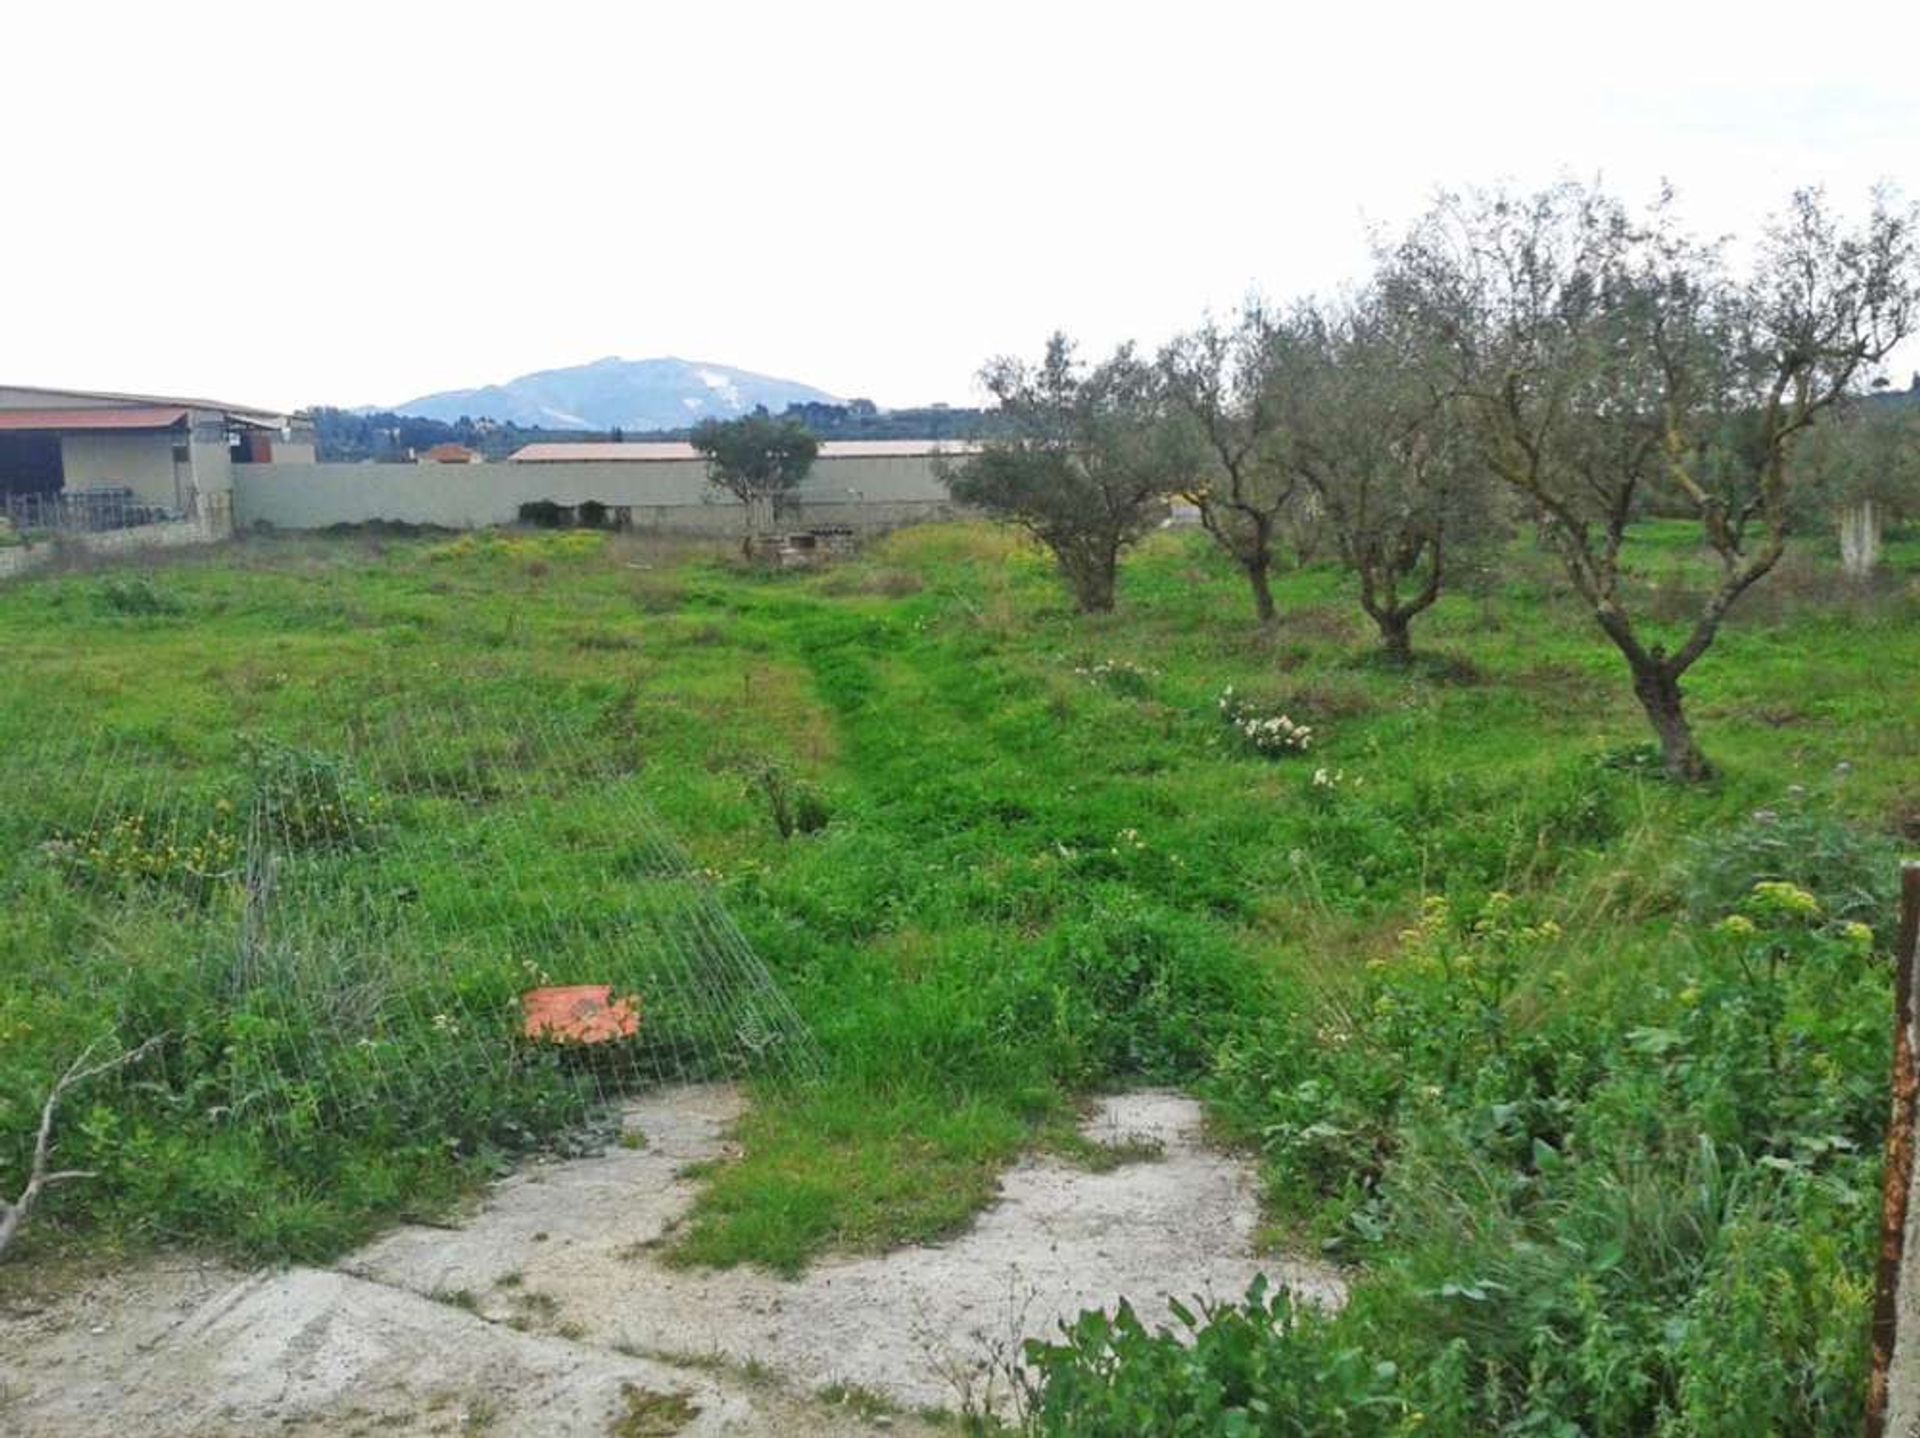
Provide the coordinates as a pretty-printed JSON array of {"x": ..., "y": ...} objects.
[{"x": 613, "y": 392}]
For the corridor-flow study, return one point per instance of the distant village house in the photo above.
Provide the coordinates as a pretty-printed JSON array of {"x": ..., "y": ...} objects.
[{"x": 449, "y": 453}]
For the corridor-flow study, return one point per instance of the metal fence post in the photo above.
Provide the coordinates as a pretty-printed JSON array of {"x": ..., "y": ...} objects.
[{"x": 1893, "y": 1382}]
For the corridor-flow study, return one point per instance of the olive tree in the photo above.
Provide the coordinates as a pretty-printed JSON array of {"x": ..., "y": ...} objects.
[
  {"x": 1609, "y": 361},
  {"x": 757, "y": 459},
  {"x": 1083, "y": 460},
  {"x": 1221, "y": 381},
  {"x": 1382, "y": 452}
]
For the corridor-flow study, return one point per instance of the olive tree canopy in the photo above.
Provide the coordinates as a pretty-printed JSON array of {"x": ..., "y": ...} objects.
[
  {"x": 1608, "y": 360},
  {"x": 757, "y": 459},
  {"x": 1083, "y": 460},
  {"x": 1221, "y": 380},
  {"x": 1382, "y": 452}
]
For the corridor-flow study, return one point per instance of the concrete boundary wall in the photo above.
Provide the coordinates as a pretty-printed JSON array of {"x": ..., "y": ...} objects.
[{"x": 862, "y": 492}]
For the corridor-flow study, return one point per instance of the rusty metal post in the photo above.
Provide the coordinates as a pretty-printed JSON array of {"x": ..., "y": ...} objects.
[{"x": 1893, "y": 1382}]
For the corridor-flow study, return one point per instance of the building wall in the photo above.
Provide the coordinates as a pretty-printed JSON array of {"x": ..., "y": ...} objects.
[
  {"x": 667, "y": 494},
  {"x": 141, "y": 460},
  {"x": 212, "y": 460}
]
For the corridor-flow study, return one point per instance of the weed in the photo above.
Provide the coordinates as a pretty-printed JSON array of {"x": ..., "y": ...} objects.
[
  {"x": 1102, "y": 1155},
  {"x": 137, "y": 596},
  {"x": 795, "y": 808},
  {"x": 645, "y": 1414},
  {"x": 859, "y": 1401}
]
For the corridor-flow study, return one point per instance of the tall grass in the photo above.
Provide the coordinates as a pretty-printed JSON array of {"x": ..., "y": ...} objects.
[{"x": 1560, "y": 1172}]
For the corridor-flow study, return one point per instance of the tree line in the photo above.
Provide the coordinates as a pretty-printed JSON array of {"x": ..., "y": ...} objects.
[
  {"x": 1555, "y": 361},
  {"x": 346, "y": 436}
]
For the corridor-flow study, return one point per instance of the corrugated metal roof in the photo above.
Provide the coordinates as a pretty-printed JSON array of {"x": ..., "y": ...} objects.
[
  {"x": 244, "y": 411},
  {"x": 130, "y": 418},
  {"x": 583, "y": 453},
  {"x": 654, "y": 452}
]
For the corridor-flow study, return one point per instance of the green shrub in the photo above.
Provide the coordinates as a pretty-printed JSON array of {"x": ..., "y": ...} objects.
[
  {"x": 307, "y": 799},
  {"x": 1602, "y": 1207},
  {"x": 137, "y": 596},
  {"x": 1852, "y": 873},
  {"x": 1131, "y": 990},
  {"x": 1263, "y": 1365}
]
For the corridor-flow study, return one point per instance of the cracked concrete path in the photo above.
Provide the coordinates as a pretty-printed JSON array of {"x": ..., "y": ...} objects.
[
  {"x": 306, "y": 1351},
  {"x": 548, "y": 1311}
]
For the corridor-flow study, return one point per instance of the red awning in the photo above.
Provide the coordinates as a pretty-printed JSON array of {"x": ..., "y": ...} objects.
[{"x": 58, "y": 419}]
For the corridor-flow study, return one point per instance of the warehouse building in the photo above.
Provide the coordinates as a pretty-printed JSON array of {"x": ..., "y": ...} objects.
[{"x": 94, "y": 459}]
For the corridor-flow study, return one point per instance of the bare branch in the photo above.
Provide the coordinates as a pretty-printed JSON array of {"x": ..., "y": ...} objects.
[{"x": 14, "y": 1213}]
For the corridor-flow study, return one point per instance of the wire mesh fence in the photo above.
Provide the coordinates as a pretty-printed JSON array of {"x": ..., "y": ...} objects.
[
  {"x": 84, "y": 511},
  {"x": 429, "y": 929}
]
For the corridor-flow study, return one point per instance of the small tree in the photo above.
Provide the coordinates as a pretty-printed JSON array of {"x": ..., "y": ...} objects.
[
  {"x": 1381, "y": 451},
  {"x": 758, "y": 460},
  {"x": 1222, "y": 380},
  {"x": 1610, "y": 362},
  {"x": 1083, "y": 461}
]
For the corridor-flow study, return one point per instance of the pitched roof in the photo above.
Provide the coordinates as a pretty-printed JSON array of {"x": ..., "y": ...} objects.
[
  {"x": 146, "y": 417},
  {"x": 243, "y": 411}
]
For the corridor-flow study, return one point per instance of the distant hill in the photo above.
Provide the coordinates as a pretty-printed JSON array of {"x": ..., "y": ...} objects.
[{"x": 615, "y": 393}]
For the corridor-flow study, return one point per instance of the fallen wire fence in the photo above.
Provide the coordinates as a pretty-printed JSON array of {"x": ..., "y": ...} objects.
[{"x": 433, "y": 930}]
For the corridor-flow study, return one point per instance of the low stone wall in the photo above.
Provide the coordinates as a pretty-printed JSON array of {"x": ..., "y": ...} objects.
[
  {"x": 210, "y": 526},
  {"x": 666, "y": 495}
]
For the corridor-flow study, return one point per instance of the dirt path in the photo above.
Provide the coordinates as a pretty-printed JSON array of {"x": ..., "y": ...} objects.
[{"x": 549, "y": 1312}]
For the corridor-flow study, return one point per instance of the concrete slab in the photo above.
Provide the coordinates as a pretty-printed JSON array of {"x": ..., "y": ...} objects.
[{"x": 927, "y": 1326}]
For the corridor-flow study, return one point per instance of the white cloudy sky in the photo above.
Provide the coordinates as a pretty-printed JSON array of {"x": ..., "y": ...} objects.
[{"x": 296, "y": 203}]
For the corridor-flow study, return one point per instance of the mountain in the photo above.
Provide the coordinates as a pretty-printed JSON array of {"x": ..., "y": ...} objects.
[{"x": 618, "y": 393}]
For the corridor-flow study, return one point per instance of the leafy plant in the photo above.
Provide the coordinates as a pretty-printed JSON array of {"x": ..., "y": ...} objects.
[
  {"x": 1800, "y": 841},
  {"x": 137, "y": 848},
  {"x": 1271, "y": 734},
  {"x": 795, "y": 807},
  {"x": 1259, "y": 1366},
  {"x": 308, "y": 799},
  {"x": 137, "y": 596}
]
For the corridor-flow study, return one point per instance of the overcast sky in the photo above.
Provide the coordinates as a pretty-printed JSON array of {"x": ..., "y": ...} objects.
[{"x": 290, "y": 204}]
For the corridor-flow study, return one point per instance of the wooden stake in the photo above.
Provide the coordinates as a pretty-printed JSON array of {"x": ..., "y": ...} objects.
[{"x": 1893, "y": 1397}]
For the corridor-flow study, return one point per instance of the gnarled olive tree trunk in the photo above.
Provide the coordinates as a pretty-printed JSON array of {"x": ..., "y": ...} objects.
[{"x": 1657, "y": 687}]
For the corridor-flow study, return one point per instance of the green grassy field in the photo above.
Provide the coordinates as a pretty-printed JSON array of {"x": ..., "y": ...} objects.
[{"x": 1458, "y": 976}]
